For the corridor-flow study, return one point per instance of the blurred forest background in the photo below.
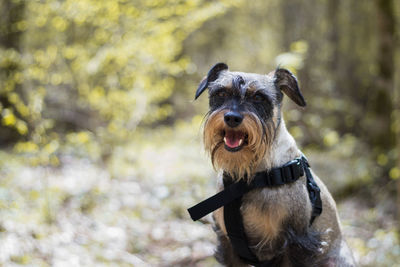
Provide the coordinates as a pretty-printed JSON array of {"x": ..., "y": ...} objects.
[{"x": 100, "y": 140}]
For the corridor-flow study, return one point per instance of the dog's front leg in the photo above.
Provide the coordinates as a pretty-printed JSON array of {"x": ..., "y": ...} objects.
[{"x": 224, "y": 252}]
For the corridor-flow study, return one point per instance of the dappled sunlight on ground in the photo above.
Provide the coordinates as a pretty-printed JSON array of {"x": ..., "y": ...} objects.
[{"x": 131, "y": 210}]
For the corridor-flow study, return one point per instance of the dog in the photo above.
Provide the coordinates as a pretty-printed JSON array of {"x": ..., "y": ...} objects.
[{"x": 245, "y": 135}]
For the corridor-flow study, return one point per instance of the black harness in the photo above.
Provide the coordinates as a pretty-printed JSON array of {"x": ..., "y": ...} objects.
[{"x": 231, "y": 199}]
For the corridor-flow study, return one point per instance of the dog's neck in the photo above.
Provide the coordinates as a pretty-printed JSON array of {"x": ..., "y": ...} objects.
[{"x": 282, "y": 150}]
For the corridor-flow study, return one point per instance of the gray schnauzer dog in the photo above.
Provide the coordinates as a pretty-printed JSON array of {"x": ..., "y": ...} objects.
[{"x": 261, "y": 216}]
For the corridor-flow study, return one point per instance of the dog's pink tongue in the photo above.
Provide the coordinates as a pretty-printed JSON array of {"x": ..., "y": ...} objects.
[{"x": 232, "y": 138}]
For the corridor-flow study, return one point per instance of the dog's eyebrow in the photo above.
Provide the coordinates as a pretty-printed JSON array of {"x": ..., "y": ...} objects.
[
  {"x": 218, "y": 87},
  {"x": 252, "y": 87},
  {"x": 221, "y": 87},
  {"x": 253, "y": 91}
]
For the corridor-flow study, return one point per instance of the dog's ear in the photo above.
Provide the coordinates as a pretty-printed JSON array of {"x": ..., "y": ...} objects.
[
  {"x": 287, "y": 83},
  {"x": 211, "y": 76}
]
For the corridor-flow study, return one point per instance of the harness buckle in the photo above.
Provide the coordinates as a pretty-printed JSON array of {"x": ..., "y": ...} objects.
[
  {"x": 296, "y": 161},
  {"x": 292, "y": 170}
]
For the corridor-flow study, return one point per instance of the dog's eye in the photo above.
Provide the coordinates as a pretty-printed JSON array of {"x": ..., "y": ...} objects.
[
  {"x": 258, "y": 97},
  {"x": 222, "y": 94}
]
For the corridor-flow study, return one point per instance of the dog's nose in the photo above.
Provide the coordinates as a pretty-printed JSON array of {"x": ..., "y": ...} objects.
[{"x": 233, "y": 118}]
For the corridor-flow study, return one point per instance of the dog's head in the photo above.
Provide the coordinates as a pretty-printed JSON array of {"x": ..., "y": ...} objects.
[{"x": 244, "y": 115}]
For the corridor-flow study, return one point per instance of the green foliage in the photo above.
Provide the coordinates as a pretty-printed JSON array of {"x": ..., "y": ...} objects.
[{"x": 94, "y": 66}]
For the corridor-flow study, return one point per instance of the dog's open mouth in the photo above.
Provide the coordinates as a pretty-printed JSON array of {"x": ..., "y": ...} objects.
[{"x": 234, "y": 140}]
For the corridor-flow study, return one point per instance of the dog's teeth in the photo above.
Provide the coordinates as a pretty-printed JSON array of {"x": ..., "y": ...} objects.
[
  {"x": 240, "y": 142},
  {"x": 225, "y": 140}
]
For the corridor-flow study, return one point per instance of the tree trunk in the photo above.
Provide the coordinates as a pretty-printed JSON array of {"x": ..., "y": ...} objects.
[
  {"x": 396, "y": 118},
  {"x": 383, "y": 137},
  {"x": 396, "y": 128}
]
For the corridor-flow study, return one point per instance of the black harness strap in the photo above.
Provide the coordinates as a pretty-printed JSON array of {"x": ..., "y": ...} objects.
[
  {"x": 314, "y": 193},
  {"x": 236, "y": 232},
  {"x": 288, "y": 173},
  {"x": 226, "y": 196},
  {"x": 231, "y": 199}
]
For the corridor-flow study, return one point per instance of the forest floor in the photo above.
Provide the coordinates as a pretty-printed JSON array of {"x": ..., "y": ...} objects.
[{"x": 131, "y": 211}]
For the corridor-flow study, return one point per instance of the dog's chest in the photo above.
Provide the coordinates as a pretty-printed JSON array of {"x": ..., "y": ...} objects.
[
  {"x": 263, "y": 218},
  {"x": 265, "y": 213}
]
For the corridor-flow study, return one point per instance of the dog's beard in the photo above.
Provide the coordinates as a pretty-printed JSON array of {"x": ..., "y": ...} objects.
[{"x": 240, "y": 162}]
